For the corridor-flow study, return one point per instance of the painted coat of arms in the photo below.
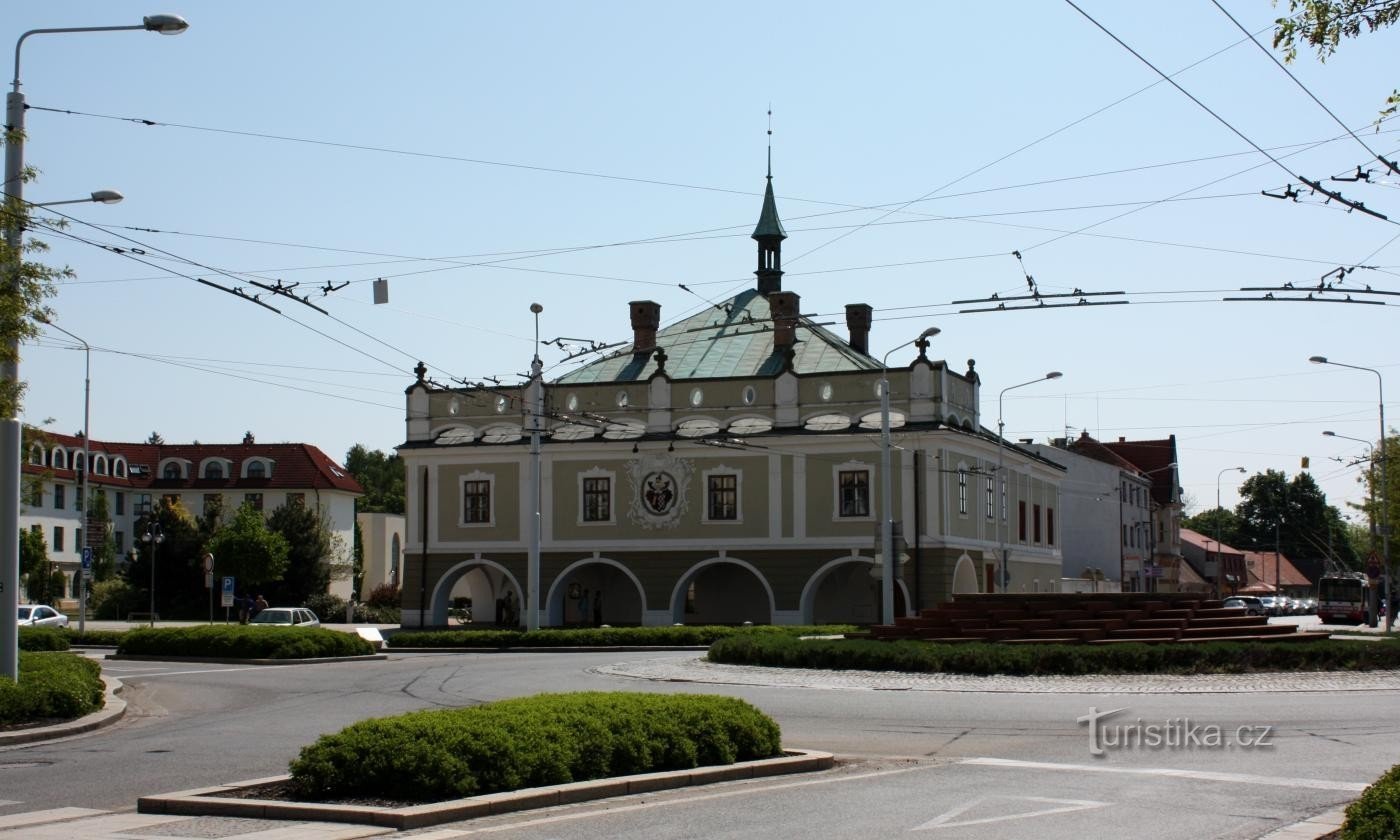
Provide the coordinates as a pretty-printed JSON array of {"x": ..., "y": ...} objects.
[{"x": 658, "y": 490}]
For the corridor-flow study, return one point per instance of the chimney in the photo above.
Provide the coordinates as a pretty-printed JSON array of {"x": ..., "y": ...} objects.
[
  {"x": 248, "y": 439},
  {"x": 1122, "y": 439},
  {"x": 646, "y": 318},
  {"x": 858, "y": 317},
  {"x": 785, "y": 307}
]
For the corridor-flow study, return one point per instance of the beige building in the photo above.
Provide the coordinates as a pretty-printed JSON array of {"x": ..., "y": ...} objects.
[{"x": 722, "y": 469}]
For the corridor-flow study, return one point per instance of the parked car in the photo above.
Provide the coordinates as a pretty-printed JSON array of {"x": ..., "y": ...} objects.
[
  {"x": 1250, "y": 604},
  {"x": 1273, "y": 604},
  {"x": 39, "y": 615},
  {"x": 287, "y": 617}
]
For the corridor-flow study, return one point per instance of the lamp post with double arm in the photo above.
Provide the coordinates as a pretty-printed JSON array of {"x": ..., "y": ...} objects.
[
  {"x": 9, "y": 364},
  {"x": 1384, "y": 516}
]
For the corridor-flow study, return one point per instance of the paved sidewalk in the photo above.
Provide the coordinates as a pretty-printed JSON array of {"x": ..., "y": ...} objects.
[{"x": 699, "y": 670}]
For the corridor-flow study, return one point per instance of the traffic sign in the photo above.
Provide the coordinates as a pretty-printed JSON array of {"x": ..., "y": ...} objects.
[
  {"x": 1373, "y": 567},
  {"x": 87, "y": 558},
  {"x": 228, "y": 592}
]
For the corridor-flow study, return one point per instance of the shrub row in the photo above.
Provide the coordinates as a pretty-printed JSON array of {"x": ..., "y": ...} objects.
[
  {"x": 242, "y": 642},
  {"x": 42, "y": 638},
  {"x": 600, "y": 636},
  {"x": 1376, "y": 814},
  {"x": 97, "y": 638},
  {"x": 52, "y": 685},
  {"x": 991, "y": 658},
  {"x": 543, "y": 740}
]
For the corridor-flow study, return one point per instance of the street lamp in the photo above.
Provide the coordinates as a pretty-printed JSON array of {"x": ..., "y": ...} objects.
[
  {"x": 1219, "y": 562},
  {"x": 536, "y": 417},
  {"x": 1371, "y": 456},
  {"x": 87, "y": 465},
  {"x": 154, "y": 536},
  {"x": 1004, "y": 576},
  {"x": 887, "y": 482},
  {"x": 9, "y": 368},
  {"x": 98, "y": 197},
  {"x": 1384, "y": 517}
]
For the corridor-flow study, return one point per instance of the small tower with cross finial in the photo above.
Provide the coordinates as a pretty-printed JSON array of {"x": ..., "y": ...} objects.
[{"x": 769, "y": 233}]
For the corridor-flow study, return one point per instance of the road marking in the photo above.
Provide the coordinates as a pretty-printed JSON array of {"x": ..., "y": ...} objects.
[
  {"x": 133, "y": 676},
  {"x": 1062, "y": 806},
  {"x": 1203, "y": 775},
  {"x": 445, "y": 834}
]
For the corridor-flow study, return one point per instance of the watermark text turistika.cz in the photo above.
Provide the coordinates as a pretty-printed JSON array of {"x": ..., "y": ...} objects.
[{"x": 1180, "y": 733}]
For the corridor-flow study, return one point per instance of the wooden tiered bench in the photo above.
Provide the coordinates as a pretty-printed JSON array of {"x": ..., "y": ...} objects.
[{"x": 1101, "y": 618}]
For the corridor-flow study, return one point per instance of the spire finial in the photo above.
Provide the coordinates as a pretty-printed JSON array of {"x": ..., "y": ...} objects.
[{"x": 770, "y": 141}]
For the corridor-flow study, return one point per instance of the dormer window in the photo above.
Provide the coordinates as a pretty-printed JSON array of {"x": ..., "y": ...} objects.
[
  {"x": 257, "y": 469},
  {"x": 36, "y": 455},
  {"x": 59, "y": 460},
  {"x": 99, "y": 464},
  {"x": 172, "y": 470},
  {"x": 119, "y": 468},
  {"x": 214, "y": 469}
]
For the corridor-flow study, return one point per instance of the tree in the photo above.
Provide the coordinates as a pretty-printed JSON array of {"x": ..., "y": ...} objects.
[
  {"x": 1378, "y": 494},
  {"x": 155, "y": 439},
  {"x": 248, "y": 550},
  {"x": 104, "y": 551},
  {"x": 1216, "y": 523},
  {"x": 179, "y": 575},
  {"x": 34, "y": 566},
  {"x": 307, "y": 534},
  {"x": 381, "y": 476},
  {"x": 1307, "y": 527},
  {"x": 1321, "y": 25},
  {"x": 358, "y": 562}
]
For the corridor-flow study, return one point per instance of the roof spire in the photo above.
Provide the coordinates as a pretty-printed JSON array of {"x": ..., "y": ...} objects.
[{"x": 769, "y": 233}]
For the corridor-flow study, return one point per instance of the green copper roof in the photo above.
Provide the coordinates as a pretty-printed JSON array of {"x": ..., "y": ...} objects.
[
  {"x": 768, "y": 222},
  {"x": 735, "y": 342}
]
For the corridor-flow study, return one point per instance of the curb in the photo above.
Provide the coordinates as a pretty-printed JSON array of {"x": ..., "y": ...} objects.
[
  {"x": 1314, "y": 827},
  {"x": 113, "y": 709},
  {"x": 131, "y": 657},
  {"x": 528, "y": 649},
  {"x": 208, "y": 802}
]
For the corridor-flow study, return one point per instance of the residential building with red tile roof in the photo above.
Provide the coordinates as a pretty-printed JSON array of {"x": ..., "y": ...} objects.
[
  {"x": 1269, "y": 569},
  {"x": 133, "y": 475},
  {"x": 1201, "y": 552}
]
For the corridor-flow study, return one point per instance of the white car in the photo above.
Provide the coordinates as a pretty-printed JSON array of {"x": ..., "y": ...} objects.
[
  {"x": 287, "y": 617},
  {"x": 38, "y": 615}
]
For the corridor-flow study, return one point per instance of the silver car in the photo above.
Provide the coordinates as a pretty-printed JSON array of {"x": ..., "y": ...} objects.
[
  {"x": 1250, "y": 604},
  {"x": 287, "y": 617},
  {"x": 39, "y": 615}
]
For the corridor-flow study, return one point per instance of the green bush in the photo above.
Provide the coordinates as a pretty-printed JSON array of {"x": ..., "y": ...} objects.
[
  {"x": 686, "y": 636},
  {"x": 329, "y": 608},
  {"x": 52, "y": 685},
  {"x": 220, "y": 641},
  {"x": 543, "y": 740},
  {"x": 112, "y": 600},
  {"x": 1376, "y": 814},
  {"x": 42, "y": 638},
  {"x": 991, "y": 658}
]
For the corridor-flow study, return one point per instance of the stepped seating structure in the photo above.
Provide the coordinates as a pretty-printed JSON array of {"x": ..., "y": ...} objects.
[{"x": 1093, "y": 618}]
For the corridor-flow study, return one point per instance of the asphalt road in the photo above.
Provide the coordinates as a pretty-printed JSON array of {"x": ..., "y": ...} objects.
[{"x": 952, "y": 764}]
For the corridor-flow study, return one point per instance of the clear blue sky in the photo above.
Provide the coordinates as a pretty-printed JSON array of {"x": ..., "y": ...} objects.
[{"x": 1005, "y": 120}]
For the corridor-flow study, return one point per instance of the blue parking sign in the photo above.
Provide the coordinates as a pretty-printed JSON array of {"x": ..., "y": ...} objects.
[
  {"x": 87, "y": 557},
  {"x": 227, "y": 599}
]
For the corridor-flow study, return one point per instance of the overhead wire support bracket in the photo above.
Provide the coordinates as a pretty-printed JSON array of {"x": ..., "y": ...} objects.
[
  {"x": 1043, "y": 305},
  {"x": 1309, "y": 299},
  {"x": 286, "y": 291},
  {"x": 238, "y": 293},
  {"x": 1288, "y": 192},
  {"x": 1333, "y": 195},
  {"x": 1291, "y": 288},
  {"x": 1036, "y": 297}
]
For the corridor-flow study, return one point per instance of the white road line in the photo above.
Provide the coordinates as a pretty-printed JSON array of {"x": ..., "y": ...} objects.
[
  {"x": 134, "y": 676},
  {"x": 445, "y": 834},
  {"x": 1202, "y": 775},
  {"x": 1057, "y": 806}
]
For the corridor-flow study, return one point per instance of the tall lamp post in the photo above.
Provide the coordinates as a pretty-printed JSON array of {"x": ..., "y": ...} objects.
[
  {"x": 1220, "y": 561},
  {"x": 154, "y": 536},
  {"x": 86, "y": 500},
  {"x": 1371, "y": 457},
  {"x": 887, "y": 483},
  {"x": 536, "y": 422},
  {"x": 1384, "y": 517},
  {"x": 9, "y": 368},
  {"x": 1004, "y": 575}
]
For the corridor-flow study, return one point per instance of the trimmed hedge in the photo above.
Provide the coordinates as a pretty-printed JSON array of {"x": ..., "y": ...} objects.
[
  {"x": 1376, "y": 814},
  {"x": 52, "y": 685},
  {"x": 42, "y": 638},
  {"x": 1021, "y": 660},
  {"x": 218, "y": 641},
  {"x": 600, "y": 636},
  {"x": 543, "y": 740}
]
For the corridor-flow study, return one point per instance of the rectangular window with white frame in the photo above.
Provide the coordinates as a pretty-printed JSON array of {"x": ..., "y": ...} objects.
[
  {"x": 477, "y": 494},
  {"x": 853, "y": 492},
  {"x": 962, "y": 492},
  {"x": 991, "y": 498},
  {"x": 597, "y": 499},
  {"x": 721, "y": 496}
]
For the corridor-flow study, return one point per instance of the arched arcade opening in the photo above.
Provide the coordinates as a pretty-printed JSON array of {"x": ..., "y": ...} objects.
[{"x": 722, "y": 590}]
